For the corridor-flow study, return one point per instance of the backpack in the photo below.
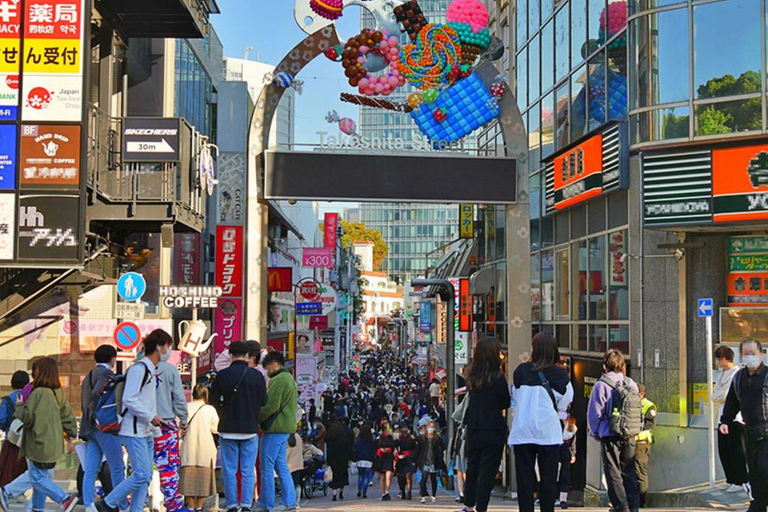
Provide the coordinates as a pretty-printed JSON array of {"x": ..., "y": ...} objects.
[
  {"x": 109, "y": 410},
  {"x": 12, "y": 407},
  {"x": 626, "y": 414}
]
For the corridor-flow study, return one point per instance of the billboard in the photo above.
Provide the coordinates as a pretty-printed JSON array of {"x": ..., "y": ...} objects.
[
  {"x": 151, "y": 139},
  {"x": 466, "y": 221},
  {"x": 330, "y": 226},
  {"x": 50, "y": 155},
  {"x": 740, "y": 183},
  {"x": 48, "y": 227},
  {"x": 229, "y": 260}
]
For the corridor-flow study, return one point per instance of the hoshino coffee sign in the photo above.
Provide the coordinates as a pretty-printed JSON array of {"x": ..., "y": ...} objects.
[{"x": 195, "y": 297}]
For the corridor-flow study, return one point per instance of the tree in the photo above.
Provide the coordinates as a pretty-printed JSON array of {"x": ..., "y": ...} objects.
[
  {"x": 713, "y": 121},
  {"x": 357, "y": 232},
  {"x": 731, "y": 116}
]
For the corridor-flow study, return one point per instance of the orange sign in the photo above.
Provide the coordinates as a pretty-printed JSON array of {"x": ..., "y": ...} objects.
[
  {"x": 50, "y": 155},
  {"x": 578, "y": 173},
  {"x": 740, "y": 183},
  {"x": 465, "y": 306},
  {"x": 748, "y": 288}
]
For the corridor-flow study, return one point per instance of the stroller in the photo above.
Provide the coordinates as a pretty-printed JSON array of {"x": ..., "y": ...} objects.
[{"x": 313, "y": 477}]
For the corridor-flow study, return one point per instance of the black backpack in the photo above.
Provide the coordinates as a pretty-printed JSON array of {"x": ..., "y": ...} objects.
[{"x": 626, "y": 412}]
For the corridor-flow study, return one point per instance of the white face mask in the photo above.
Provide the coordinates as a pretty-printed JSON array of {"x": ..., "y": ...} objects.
[
  {"x": 430, "y": 430},
  {"x": 751, "y": 361},
  {"x": 165, "y": 356}
]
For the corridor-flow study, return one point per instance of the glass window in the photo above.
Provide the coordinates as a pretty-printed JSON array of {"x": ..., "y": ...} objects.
[
  {"x": 598, "y": 339},
  {"x": 547, "y": 57},
  {"x": 534, "y": 80},
  {"x": 578, "y": 30},
  {"x": 547, "y": 230},
  {"x": 617, "y": 22},
  {"x": 619, "y": 336},
  {"x": 562, "y": 26},
  {"x": 663, "y": 49},
  {"x": 522, "y": 78},
  {"x": 547, "y": 286},
  {"x": 596, "y": 210},
  {"x": 562, "y": 285},
  {"x": 580, "y": 337},
  {"x": 617, "y": 81},
  {"x": 534, "y": 137},
  {"x": 534, "y": 193},
  {"x": 533, "y": 16},
  {"x": 501, "y": 247},
  {"x": 562, "y": 133},
  {"x": 729, "y": 116},
  {"x": 618, "y": 276},
  {"x": 595, "y": 22},
  {"x": 617, "y": 209},
  {"x": 598, "y": 297},
  {"x": 644, "y": 5},
  {"x": 667, "y": 123},
  {"x": 562, "y": 231},
  {"x": 536, "y": 287},
  {"x": 522, "y": 23},
  {"x": 563, "y": 335},
  {"x": 596, "y": 91},
  {"x": 579, "y": 125},
  {"x": 547, "y": 125},
  {"x": 580, "y": 262},
  {"x": 579, "y": 221},
  {"x": 726, "y": 45},
  {"x": 546, "y": 9}
]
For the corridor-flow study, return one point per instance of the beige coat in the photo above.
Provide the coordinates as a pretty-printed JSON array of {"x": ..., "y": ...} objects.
[
  {"x": 295, "y": 455},
  {"x": 198, "y": 447}
]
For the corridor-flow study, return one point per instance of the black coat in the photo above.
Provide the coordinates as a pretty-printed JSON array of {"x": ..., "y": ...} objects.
[
  {"x": 486, "y": 406},
  {"x": 239, "y": 411},
  {"x": 338, "y": 445},
  {"x": 434, "y": 443}
]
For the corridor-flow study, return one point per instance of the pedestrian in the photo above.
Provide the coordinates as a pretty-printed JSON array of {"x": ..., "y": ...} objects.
[
  {"x": 617, "y": 450},
  {"x": 45, "y": 415},
  {"x": 384, "y": 464},
  {"x": 749, "y": 396},
  {"x": 430, "y": 460},
  {"x": 278, "y": 425},
  {"x": 541, "y": 393},
  {"x": 317, "y": 435},
  {"x": 363, "y": 454},
  {"x": 567, "y": 459},
  {"x": 406, "y": 448},
  {"x": 485, "y": 422},
  {"x": 11, "y": 465},
  {"x": 171, "y": 404},
  {"x": 197, "y": 478},
  {"x": 731, "y": 446},
  {"x": 99, "y": 445},
  {"x": 239, "y": 393},
  {"x": 434, "y": 392},
  {"x": 458, "y": 449},
  {"x": 339, "y": 451},
  {"x": 140, "y": 424},
  {"x": 644, "y": 442},
  {"x": 312, "y": 411}
]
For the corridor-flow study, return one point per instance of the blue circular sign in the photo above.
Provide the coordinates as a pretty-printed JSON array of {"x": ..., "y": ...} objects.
[
  {"x": 131, "y": 286},
  {"x": 127, "y": 336}
]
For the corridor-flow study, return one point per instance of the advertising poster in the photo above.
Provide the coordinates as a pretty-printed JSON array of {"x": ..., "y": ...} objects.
[
  {"x": 228, "y": 323},
  {"x": 50, "y": 155},
  {"x": 331, "y": 225},
  {"x": 748, "y": 271},
  {"x": 7, "y": 226},
  {"x": 229, "y": 260},
  {"x": 230, "y": 193},
  {"x": 10, "y": 58},
  {"x": 48, "y": 227},
  {"x": 7, "y": 157},
  {"x": 466, "y": 221}
]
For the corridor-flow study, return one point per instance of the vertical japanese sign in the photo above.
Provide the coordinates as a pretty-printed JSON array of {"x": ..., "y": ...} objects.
[
  {"x": 52, "y": 81},
  {"x": 466, "y": 221},
  {"x": 7, "y": 222},
  {"x": 228, "y": 317},
  {"x": 465, "y": 306},
  {"x": 10, "y": 58},
  {"x": 331, "y": 225},
  {"x": 228, "y": 321},
  {"x": 187, "y": 267}
]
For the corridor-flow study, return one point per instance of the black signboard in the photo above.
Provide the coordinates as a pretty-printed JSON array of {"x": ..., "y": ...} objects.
[
  {"x": 48, "y": 228},
  {"x": 151, "y": 139}
]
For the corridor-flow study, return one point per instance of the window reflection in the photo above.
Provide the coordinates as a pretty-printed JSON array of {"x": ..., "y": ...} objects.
[
  {"x": 580, "y": 269},
  {"x": 596, "y": 8},
  {"x": 578, "y": 30},
  {"x": 597, "y": 279},
  {"x": 598, "y": 339},
  {"x": 522, "y": 78},
  {"x": 562, "y": 284},
  {"x": 547, "y": 57},
  {"x": 533, "y": 16},
  {"x": 579, "y": 104},
  {"x": 617, "y": 81},
  {"x": 547, "y": 125},
  {"x": 596, "y": 91},
  {"x": 547, "y": 286},
  {"x": 534, "y": 80},
  {"x": 522, "y": 23},
  {"x": 534, "y": 137},
  {"x": 563, "y": 132},
  {"x": 619, "y": 337},
  {"x": 562, "y": 26},
  {"x": 729, "y": 117},
  {"x": 618, "y": 280}
]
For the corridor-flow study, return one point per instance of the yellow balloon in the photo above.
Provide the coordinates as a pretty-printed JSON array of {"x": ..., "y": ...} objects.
[{"x": 415, "y": 100}]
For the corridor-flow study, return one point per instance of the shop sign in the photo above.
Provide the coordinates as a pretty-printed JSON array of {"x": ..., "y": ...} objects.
[
  {"x": 186, "y": 263},
  {"x": 309, "y": 290},
  {"x": 425, "y": 317},
  {"x": 740, "y": 183},
  {"x": 10, "y": 52},
  {"x": 748, "y": 262},
  {"x": 588, "y": 169},
  {"x": 48, "y": 228},
  {"x": 466, "y": 221},
  {"x": 309, "y": 308},
  {"x": 229, "y": 260},
  {"x": 317, "y": 257},
  {"x": 50, "y": 155},
  {"x": 227, "y": 323},
  {"x": 748, "y": 245},
  {"x": 7, "y": 226},
  {"x": 461, "y": 352},
  {"x": 151, "y": 139},
  {"x": 7, "y": 156},
  {"x": 280, "y": 279},
  {"x": 748, "y": 270},
  {"x": 197, "y": 297},
  {"x": 465, "y": 306},
  {"x": 617, "y": 244},
  {"x": 331, "y": 225},
  {"x": 319, "y": 322},
  {"x": 677, "y": 188}
]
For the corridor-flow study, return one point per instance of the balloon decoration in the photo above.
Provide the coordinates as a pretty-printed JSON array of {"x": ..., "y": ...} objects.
[
  {"x": 367, "y": 101},
  {"x": 334, "y": 52},
  {"x": 469, "y": 19},
  {"x": 328, "y": 9},
  {"x": 411, "y": 17},
  {"x": 428, "y": 63},
  {"x": 346, "y": 124},
  {"x": 284, "y": 80},
  {"x": 359, "y": 50}
]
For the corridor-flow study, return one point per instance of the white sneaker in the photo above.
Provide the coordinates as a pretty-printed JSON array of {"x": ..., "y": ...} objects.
[
  {"x": 434, "y": 499},
  {"x": 423, "y": 500},
  {"x": 734, "y": 488}
]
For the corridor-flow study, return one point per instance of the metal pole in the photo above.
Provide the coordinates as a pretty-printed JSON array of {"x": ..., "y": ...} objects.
[
  {"x": 710, "y": 380},
  {"x": 193, "y": 371}
]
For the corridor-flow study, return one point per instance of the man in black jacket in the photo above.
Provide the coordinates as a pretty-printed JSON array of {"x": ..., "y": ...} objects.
[
  {"x": 749, "y": 396},
  {"x": 239, "y": 392}
]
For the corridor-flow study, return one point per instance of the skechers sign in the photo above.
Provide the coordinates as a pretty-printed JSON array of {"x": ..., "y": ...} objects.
[
  {"x": 587, "y": 169},
  {"x": 151, "y": 139}
]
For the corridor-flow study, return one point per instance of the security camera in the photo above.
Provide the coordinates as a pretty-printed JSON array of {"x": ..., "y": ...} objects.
[{"x": 624, "y": 257}]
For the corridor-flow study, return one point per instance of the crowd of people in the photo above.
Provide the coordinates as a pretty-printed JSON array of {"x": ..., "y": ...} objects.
[{"x": 385, "y": 420}]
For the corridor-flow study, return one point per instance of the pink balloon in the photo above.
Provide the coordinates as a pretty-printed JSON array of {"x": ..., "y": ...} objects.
[
  {"x": 379, "y": 87},
  {"x": 364, "y": 49},
  {"x": 363, "y": 83},
  {"x": 393, "y": 81},
  {"x": 361, "y": 60},
  {"x": 393, "y": 41},
  {"x": 384, "y": 44}
]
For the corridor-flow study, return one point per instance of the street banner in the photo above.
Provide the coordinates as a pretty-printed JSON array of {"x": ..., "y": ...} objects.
[
  {"x": 228, "y": 323},
  {"x": 229, "y": 260},
  {"x": 466, "y": 221},
  {"x": 317, "y": 257},
  {"x": 331, "y": 225}
]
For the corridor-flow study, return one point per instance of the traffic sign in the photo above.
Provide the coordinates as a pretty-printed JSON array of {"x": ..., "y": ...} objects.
[
  {"x": 706, "y": 307},
  {"x": 127, "y": 336},
  {"x": 131, "y": 286},
  {"x": 309, "y": 308},
  {"x": 129, "y": 310},
  {"x": 309, "y": 290}
]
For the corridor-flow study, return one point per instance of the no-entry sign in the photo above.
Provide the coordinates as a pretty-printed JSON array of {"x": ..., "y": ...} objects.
[{"x": 127, "y": 336}]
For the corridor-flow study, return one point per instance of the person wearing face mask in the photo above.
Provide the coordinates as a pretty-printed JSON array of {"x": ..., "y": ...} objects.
[
  {"x": 430, "y": 460},
  {"x": 748, "y": 395},
  {"x": 171, "y": 404},
  {"x": 406, "y": 448}
]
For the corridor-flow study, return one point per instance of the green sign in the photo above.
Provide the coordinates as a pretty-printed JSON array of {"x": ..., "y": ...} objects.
[
  {"x": 748, "y": 245},
  {"x": 748, "y": 262}
]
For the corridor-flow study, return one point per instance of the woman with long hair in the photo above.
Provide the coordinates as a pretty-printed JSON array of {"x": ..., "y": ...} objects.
[
  {"x": 541, "y": 393},
  {"x": 338, "y": 450},
  {"x": 384, "y": 464},
  {"x": 197, "y": 478},
  {"x": 405, "y": 467},
  {"x": 430, "y": 460},
  {"x": 364, "y": 456},
  {"x": 485, "y": 423},
  {"x": 45, "y": 415}
]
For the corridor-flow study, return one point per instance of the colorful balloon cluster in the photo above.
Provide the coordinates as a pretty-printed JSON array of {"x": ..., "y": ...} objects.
[
  {"x": 471, "y": 12},
  {"x": 346, "y": 124},
  {"x": 411, "y": 17},
  {"x": 328, "y": 9},
  {"x": 429, "y": 62},
  {"x": 365, "y": 46}
]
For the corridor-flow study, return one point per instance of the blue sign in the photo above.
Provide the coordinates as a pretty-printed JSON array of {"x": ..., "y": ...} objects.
[
  {"x": 127, "y": 336},
  {"x": 131, "y": 286},
  {"x": 705, "y": 307},
  {"x": 309, "y": 308},
  {"x": 7, "y": 157},
  {"x": 8, "y": 113},
  {"x": 425, "y": 317}
]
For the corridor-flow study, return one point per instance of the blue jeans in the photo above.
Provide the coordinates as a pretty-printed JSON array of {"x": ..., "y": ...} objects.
[
  {"x": 140, "y": 450},
  {"x": 43, "y": 486},
  {"x": 364, "y": 478},
  {"x": 100, "y": 445},
  {"x": 273, "y": 459},
  {"x": 22, "y": 484},
  {"x": 240, "y": 453}
]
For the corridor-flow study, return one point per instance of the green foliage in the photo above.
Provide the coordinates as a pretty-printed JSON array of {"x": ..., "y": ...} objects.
[
  {"x": 732, "y": 116},
  {"x": 674, "y": 127},
  {"x": 713, "y": 121}
]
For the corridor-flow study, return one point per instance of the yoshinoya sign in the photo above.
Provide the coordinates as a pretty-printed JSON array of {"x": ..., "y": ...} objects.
[
  {"x": 151, "y": 139},
  {"x": 740, "y": 183},
  {"x": 589, "y": 168},
  {"x": 198, "y": 297}
]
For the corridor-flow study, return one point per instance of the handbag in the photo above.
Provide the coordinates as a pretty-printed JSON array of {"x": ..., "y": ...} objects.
[
  {"x": 267, "y": 423},
  {"x": 16, "y": 432}
]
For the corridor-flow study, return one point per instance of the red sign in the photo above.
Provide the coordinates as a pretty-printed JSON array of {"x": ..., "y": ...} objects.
[
  {"x": 578, "y": 173},
  {"x": 465, "y": 306},
  {"x": 309, "y": 290},
  {"x": 319, "y": 257},
  {"x": 318, "y": 322},
  {"x": 331, "y": 227},
  {"x": 187, "y": 264},
  {"x": 127, "y": 336},
  {"x": 229, "y": 260},
  {"x": 280, "y": 279},
  {"x": 53, "y": 19},
  {"x": 228, "y": 323}
]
